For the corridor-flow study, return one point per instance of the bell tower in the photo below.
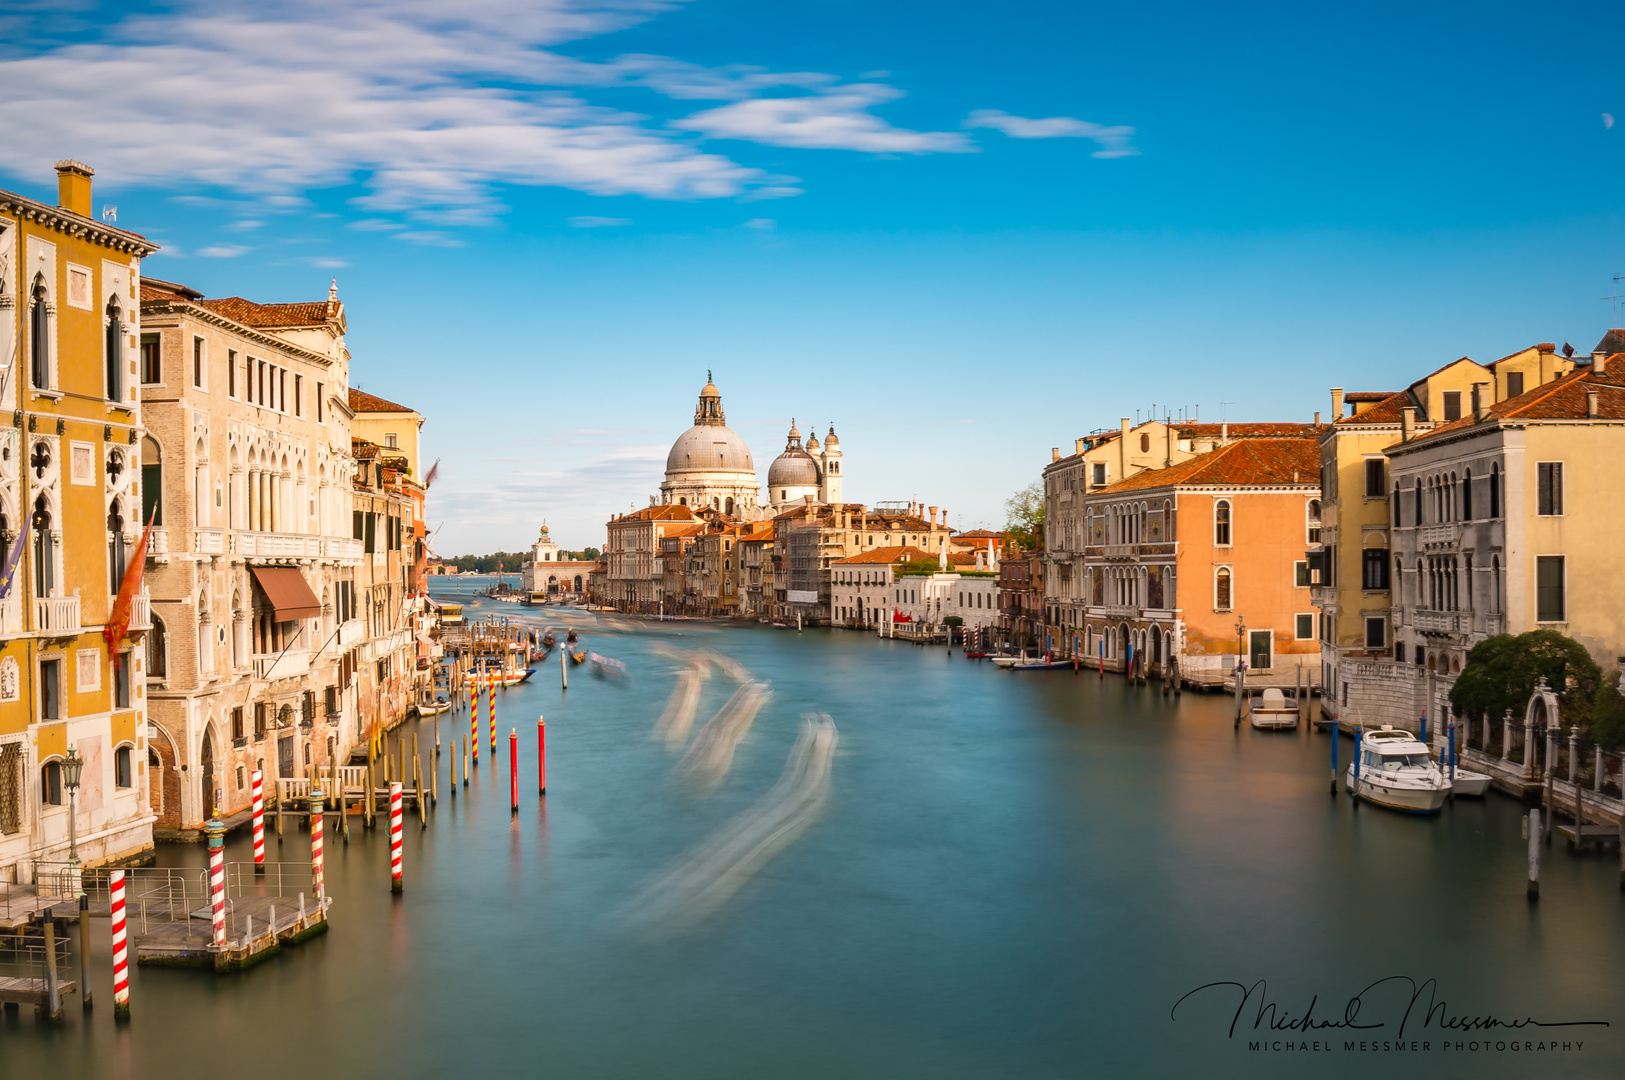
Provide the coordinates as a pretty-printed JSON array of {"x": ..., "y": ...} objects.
[{"x": 829, "y": 463}]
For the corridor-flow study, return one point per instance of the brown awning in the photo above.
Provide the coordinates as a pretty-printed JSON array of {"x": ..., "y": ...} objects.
[{"x": 290, "y": 597}]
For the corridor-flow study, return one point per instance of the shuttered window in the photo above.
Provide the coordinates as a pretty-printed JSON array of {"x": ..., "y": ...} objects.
[
  {"x": 1551, "y": 488},
  {"x": 1550, "y": 601}
]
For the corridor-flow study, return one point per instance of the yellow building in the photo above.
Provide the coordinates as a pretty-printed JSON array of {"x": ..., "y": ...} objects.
[
  {"x": 392, "y": 428},
  {"x": 1350, "y": 560},
  {"x": 70, "y": 493},
  {"x": 1507, "y": 525}
]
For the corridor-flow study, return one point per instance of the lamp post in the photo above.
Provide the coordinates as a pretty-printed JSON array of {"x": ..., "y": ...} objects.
[
  {"x": 72, "y": 767},
  {"x": 1241, "y": 665}
]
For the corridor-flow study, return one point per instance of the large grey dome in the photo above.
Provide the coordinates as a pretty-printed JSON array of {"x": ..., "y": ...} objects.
[
  {"x": 793, "y": 468},
  {"x": 709, "y": 448}
]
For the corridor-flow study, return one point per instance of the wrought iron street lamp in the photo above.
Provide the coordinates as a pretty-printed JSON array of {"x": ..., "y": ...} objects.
[
  {"x": 1241, "y": 665},
  {"x": 72, "y": 766}
]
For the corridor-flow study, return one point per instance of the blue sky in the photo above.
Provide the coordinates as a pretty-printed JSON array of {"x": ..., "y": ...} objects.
[{"x": 964, "y": 234}]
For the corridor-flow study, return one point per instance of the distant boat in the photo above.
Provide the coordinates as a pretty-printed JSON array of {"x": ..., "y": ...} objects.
[
  {"x": 1271, "y": 710},
  {"x": 577, "y": 657},
  {"x": 1393, "y": 769}
]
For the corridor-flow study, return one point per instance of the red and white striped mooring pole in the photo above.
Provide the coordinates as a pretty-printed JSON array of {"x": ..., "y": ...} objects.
[
  {"x": 259, "y": 822},
  {"x": 491, "y": 708},
  {"x": 541, "y": 756},
  {"x": 317, "y": 804},
  {"x": 395, "y": 837},
  {"x": 215, "y": 830},
  {"x": 513, "y": 770},
  {"x": 121, "y": 963}
]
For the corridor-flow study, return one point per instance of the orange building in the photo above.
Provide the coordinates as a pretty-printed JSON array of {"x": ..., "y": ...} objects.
[{"x": 1186, "y": 563}]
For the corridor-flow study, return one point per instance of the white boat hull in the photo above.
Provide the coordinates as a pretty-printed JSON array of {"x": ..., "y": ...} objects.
[
  {"x": 1274, "y": 719},
  {"x": 1409, "y": 798},
  {"x": 1470, "y": 783}
]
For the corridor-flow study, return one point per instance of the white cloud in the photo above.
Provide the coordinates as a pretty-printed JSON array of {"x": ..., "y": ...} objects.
[
  {"x": 766, "y": 224},
  {"x": 1113, "y": 141},
  {"x": 222, "y": 251},
  {"x": 329, "y": 263},
  {"x": 375, "y": 225},
  {"x": 245, "y": 225},
  {"x": 587, "y": 221},
  {"x": 429, "y": 237},
  {"x": 836, "y": 118}
]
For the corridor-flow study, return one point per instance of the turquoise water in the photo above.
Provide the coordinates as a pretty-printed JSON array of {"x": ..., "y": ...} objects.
[{"x": 1012, "y": 876}]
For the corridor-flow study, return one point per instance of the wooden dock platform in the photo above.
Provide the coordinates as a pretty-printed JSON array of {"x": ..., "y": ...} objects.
[
  {"x": 1601, "y": 835},
  {"x": 36, "y": 992},
  {"x": 257, "y": 927}
]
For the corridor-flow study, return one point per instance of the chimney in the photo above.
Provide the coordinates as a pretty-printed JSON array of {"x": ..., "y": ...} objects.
[
  {"x": 1407, "y": 423},
  {"x": 1317, "y": 417},
  {"x": 1337, "y": 404},
  {"x": 1077, "y": 446},
  {"x": 73, "y": 186},
  {"x": 1055, "y": 453},
  {"x": 1224, "y": 434},
  {"x": 1599, "y": 363},
  {"x": 1481, "y": 401},
  {"x": 933, "y": 518},
  {"x": 1593, "y": 404}
]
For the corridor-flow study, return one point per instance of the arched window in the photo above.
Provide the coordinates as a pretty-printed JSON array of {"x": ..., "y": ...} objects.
[
  {"x": 1495, "y": 584},
  {"x": 728, "y": 507},
  {"x": 1418, "y": 520},
  {"x": 1495, "y": 490},
  {"x": 1467, "y": 495},
  {"x": 1312, "y": 513},
  {"x": 1221, "y": 523},
  {"x": 1145, "y": 443},
  {"x": 44, "y": 549},
  {"x": 1221, "y": 589},
  {"x": 39, "y": 337},
  {"x": 114, "y": 349},
  {"x": 1395, "y": 507},
  {"x": 152, "y": 481},
  {"x": 117, "y": 557},
  {"x": 205, "y": 635},
  {"x": 157, "y": 652},
  {"x": 1168, "y": 519}
]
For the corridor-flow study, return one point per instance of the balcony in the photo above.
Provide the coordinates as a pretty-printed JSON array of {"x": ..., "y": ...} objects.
[
  {"x": 1441, "y": 622},
  {"x": 1440, "y": 537},
  {"x": 268, "y": 545},
  {"x": 342, "y": 547},
  {"x": 140, "y": 612},
  {"x": 1323, "y": 596},
  {"x": 11, "y": 616},
  {"x": 1121, "y": 551},
  {"x": 158, "y": 545},
  {"x": 286, "y": 665},
  {"x": 57, "y": 616},
  {"x": 209, "y": 542},
  {"x": 350, "y": 632}
]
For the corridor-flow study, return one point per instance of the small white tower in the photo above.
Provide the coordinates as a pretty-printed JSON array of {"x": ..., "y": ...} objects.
[
  {"x": 829, "y": 467},
  {"x": 544, "y": 550}
]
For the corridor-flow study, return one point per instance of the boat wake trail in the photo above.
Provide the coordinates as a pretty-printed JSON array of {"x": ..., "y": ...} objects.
[
  {"x": 707, "y": 762},
  {"x": 674, "y": 724},
  {"x": 707, "y": 876}
]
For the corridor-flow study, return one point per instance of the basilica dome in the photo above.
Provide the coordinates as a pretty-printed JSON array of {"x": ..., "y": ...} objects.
[{"x": 709, "y": 448}]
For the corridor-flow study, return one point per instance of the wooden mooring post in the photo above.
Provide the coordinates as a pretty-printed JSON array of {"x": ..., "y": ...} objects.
[
  {"x": 1532, "y": 830},
  {"x": 84, "y": 950}
]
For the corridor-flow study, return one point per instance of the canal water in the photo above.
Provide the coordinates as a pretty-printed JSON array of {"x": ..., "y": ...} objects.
[{"x": 1013, "y": 875}]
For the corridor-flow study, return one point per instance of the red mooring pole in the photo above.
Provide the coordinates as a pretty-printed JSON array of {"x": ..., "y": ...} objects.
[
  {"x": 259, "y": 822},
  {"x": 541, "y": 756},
  {"x": 121, "y": 968},
  {"x": 395, "y": 885},
  {"x": 513, "y": 771}
]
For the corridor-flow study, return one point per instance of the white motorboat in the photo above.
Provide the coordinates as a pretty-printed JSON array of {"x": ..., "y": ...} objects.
[
  {"x": 1393, "y": 769},
  {"x": 1271, "y": 710},
  {"x": 1467, "y": 782}
]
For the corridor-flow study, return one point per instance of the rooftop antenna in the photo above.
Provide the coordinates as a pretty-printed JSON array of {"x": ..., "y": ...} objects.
[
  {"x": 1222, "y": 404},
  {"x": 1616, "y": 297}
]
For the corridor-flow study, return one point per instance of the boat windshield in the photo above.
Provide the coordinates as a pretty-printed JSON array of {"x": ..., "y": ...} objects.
[{"x": 1404, "y": 761}]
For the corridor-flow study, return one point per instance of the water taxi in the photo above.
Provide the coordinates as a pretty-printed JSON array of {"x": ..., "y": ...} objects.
[
  {"x": 451, "y": 615},
  {"x": 1393, "y": 769},
  {"x": 1271, "y": 710}
]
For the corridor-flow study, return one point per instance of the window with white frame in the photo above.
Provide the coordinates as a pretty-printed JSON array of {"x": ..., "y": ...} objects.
[{"x": 1304, "y": 630}]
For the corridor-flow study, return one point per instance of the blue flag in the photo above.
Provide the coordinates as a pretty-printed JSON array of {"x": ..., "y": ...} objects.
[{"x": 9, "y": 574}]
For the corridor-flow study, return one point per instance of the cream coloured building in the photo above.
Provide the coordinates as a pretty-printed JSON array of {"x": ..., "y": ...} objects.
[{"x": 253, "y": 561}]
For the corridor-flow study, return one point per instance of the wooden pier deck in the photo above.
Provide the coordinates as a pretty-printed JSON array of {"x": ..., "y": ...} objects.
[
  {"x": 36, "y": 992},
  {"x": 257, "y": 927}
]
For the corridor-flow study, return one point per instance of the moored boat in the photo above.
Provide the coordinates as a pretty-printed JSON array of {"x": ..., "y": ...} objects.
[
  {"x": 1466, "y": 782},
  {"x": 1392, "y": 769},
  {"x": 1271, "y": 710}
]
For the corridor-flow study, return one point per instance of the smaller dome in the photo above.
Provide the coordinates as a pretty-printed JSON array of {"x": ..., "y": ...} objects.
[
  {"x": 812, "y": 444},
  {"x": 793, "y": 468},
  {"x": 830, "y": 441}
]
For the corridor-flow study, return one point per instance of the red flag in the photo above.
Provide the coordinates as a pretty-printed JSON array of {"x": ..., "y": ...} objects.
[
  {"x": 434, "y": 471},
  {"x": 119, "y": 621}
]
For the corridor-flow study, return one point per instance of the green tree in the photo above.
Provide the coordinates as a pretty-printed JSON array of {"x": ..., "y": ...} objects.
[
  {"x": 1502, "y": 672},
  {"x": 1608, "y": 714},
  {"x": 1024, "y": 516}
]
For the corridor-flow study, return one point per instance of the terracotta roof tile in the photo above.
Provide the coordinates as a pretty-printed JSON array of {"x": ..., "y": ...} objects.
[
  {"x": 272, "y": 316},
  {"x": 361, "y": 401},
  {"x": 671, "y": 512},
  {"x": 1387, "y": 411},
  {"x": 882, "y": 555},
  {"x": 1244, "y": 463},
  {"x": 1560, "y": 399},
  {"x": 1245, "y": 430},
  {"x": 1368, "y": 395}
]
